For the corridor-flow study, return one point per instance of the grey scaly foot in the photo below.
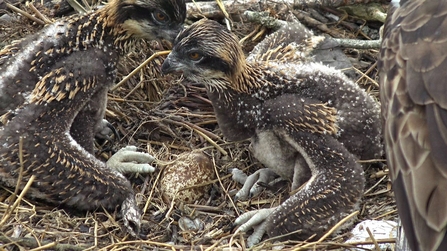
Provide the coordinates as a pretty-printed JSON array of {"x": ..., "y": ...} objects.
[
  {"x": 256, "y": 220},
  {"x": 251, "y": 184},
  {"x": 128, "y": 160}
]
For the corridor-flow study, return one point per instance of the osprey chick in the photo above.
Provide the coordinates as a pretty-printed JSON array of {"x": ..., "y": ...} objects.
[
  {"x": 53, "y": 90},
  {"x": 305, "y": 120}
]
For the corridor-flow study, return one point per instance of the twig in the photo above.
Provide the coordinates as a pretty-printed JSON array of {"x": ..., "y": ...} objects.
[
  {"x": 148, "y": 201},
  {"x": 24, "y": 13},
  {"x": 45, "y": 247},
  {"x": 329, "y": 3},
  {"x": 211, "y": 9},
  {"x": 79, "y": 8},
  {"x": 264, "y": 19},
  {"x": 17, "y": 201},
  {"x": 200, "y": 132},
  {"x": 32, "y": 243},
  {"x": 224, "y": 11},
  {"x": 358, "y": 44},
  {"x": 141, "y": 242},
  {"x": 156, "y": 54},
  {"x": 377, "y": 183},
  {"x": 373, "y": 239},
  {"x": 38, "y": 13},
  {"x": 309, "y": 21},
  {"x": 333, "y": 229},
  {"x": 367, "y": 77},
  {"x": 19, "y": 179},
  {"x": 385, "y": 214}
]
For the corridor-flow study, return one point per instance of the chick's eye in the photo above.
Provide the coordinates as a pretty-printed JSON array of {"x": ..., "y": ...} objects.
[
  {"x": 195, "y": 56},
  {"x": 160, "y": 16}
]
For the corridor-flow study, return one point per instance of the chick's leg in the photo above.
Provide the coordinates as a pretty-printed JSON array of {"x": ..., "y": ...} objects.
[
  {"x": 323, "y": 201},
  {"x": 254, "y": 183}
]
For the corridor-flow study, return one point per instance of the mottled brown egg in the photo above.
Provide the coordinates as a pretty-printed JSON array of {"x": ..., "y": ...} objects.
[{"x": 189, "y": 169}]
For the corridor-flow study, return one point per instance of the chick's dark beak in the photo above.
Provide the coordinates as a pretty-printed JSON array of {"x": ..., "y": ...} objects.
[{"x": 170, "y": 65}]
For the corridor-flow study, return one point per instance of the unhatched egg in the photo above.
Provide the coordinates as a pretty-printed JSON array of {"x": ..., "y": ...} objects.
[{"x": 189, "y": 169}]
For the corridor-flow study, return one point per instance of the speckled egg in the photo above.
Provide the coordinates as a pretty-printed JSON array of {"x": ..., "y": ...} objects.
[{"x": 189, "y": 169}]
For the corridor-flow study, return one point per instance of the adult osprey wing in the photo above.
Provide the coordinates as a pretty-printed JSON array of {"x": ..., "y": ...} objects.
[{"x": 413, "y": 92}]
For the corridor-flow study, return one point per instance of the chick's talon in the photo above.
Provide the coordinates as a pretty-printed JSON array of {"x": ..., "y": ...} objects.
[
  {"x": 255, "y": 220},
  {"x": 128, "y": 160},
  {"x": 105, "y": 130},
  {"x": 251, "y": 185},
  {"x": 238, "y": 175}
]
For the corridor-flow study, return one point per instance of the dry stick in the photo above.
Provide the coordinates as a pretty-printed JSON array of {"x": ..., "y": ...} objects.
[
  {"x": 329, "y": 3},
  {"x": 385, "y": 214},
  {"x": 87, "y": 6},
  {"x": 285, "y": 235},
  {"x": 377, "y": 183},
  {"x": 370, "y": 161},
  {"x": 34, "y": 235},
  {"x": 24, "y": 13},
  {"x": 146, "y": 206},
  {"x": 212, "y": 142},
  {"x": 210, "y": 9},
  {"x": 207, "y": 133},
  {"x": 178, "y": 121},
  {"x": 30, "y": 243},
  {"x": 138, "y": 86},
  {"x": 308, "y": 20},
  {"x": 224, "y": 11},
  {"x": 252, "y": 34},
  {"x": 156, "y": 54},
  {"x": 109, "y": 247},
  {"x": 77, "y": 6},
  {"x": 373, "y": 239},
  {"x": 95, "y": 232},
  {"x": 38, "y": 13},
  {"x": 358, "y": 44},
  {"x": 365, "y": 74},
  {"x": 45, "y": 247},
  {"x": 199, "y": 131},
  {"x": 266, "y": 20},
  {"x": 18, "y": 200},
  {"x": 19, "y": 179},
  {"x": 351, "y": 245},
  {"x": 387, "y": 240},
  {"x": 230, "y": 242},
  {"x": 367, "y": 77},
  {"x": 212, "y": 247},
  {"x": 333, "y": 229},
  {"x": 17, "y": 188},
  {"x": 171, "y": 208}
]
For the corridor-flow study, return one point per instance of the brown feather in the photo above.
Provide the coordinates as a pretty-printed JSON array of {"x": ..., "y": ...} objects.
[{"x": 414, "y": 102}]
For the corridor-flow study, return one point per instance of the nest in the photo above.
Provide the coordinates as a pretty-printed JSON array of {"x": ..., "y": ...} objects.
[{"x": 166, "y": 116}]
